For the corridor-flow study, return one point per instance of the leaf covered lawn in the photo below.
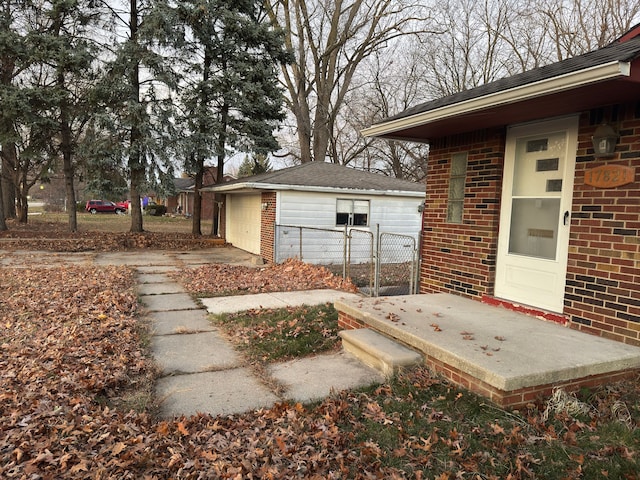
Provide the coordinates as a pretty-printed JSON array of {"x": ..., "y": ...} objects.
[
  {"x": 222, "y": 279},
  {"x": 72, "y": 353}
]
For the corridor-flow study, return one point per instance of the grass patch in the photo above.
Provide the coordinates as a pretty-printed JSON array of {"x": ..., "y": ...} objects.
[
  {"x": 273, "y": 335},
  {"x": 419, "y": 426}
]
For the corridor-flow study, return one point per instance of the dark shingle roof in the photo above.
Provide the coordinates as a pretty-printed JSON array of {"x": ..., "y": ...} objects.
[
  {"x": 183, "y": 184},
  {"x": 615, "y": 52},
  {"x": 326, "y": 175}
]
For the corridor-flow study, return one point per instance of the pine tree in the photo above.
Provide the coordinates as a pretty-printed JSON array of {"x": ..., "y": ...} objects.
[
  {"x": 136, "y": 129},
  {"x": 254, "y": 165},
  {"x": 231, "y": 97}
]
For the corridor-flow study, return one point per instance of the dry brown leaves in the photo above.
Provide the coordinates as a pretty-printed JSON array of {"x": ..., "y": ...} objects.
[
  {"x": 70, "y": 344},
  {"x": 220, "y": 279},
  {"x": 50, "y": 236}
]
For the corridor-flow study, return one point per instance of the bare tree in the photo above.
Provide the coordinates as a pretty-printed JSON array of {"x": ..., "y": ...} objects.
[
  {"x": 330, "y": 41},
  {"x": 393, "y": 85},
  {"x": 578, "y": 26}
]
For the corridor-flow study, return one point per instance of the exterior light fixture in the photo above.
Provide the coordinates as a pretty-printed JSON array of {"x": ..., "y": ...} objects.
[
  {"x": 604, "y": 141},
  {"x": 264, "y": 205}
]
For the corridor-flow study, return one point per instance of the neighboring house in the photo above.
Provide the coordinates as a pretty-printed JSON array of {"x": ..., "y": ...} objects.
[
  {"x": 521, "y": 209},
  {"x": 320, "y": 195},
  {"x": 182, "y": 202}
]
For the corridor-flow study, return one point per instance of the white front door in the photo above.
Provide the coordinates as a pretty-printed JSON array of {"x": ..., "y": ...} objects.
[{"x": 535, "y": 214}]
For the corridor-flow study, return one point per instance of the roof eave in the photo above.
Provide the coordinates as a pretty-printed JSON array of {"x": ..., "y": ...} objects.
[
  {"x": 246, "y": 186},
  {"x": 599, "y": 73}
]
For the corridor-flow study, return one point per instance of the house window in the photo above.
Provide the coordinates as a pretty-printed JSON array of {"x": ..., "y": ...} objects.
[
  {"x": 352, "y": 212},
  {"x": 456, "y": 187}
]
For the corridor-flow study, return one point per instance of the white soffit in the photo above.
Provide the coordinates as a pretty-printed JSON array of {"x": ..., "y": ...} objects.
[{"x": 548, "y": 86}]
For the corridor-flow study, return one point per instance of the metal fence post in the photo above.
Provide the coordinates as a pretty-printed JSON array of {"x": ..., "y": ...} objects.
[{"x": 376, "y": 275}]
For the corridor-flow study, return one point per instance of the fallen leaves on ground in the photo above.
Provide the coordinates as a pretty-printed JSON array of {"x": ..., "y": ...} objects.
[
  {"x": 291, "y": 275},
  {"x": 71, "y": 348},
  {"x": 53, "y": 236}
]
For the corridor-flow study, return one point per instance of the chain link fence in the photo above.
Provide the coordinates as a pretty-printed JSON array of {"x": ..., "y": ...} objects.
[{"x": 378, "y": 264}]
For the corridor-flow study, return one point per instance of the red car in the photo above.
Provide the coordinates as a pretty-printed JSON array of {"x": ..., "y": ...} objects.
[{"x": 103, "y": 206}]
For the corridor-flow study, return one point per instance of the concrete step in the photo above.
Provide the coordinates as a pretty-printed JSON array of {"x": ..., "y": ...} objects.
[{"x": 378, "y": 351}]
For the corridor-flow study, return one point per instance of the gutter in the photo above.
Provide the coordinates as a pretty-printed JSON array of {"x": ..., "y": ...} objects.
[
  {"x": 541, "y": 88},
  {"x": 299, "y": 188}
]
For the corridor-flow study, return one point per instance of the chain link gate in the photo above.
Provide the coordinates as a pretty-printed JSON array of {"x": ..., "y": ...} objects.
[
  {"x": 378, "y": 264},
  {"x": 396, "y": 265}
]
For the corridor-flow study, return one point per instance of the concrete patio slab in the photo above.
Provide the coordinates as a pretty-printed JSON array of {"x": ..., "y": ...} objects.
[
  {"x": 153, "y": 269},
  {"x": 216, "y": 393},
  {"x": 314, "y": 378},
  {"x": 504, "y": 351},
  {"x": 190, "y": 353},
  {"x": 180, "y": 321}
]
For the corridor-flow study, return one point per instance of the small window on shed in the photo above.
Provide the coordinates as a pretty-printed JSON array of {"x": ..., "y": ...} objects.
[
  {"x": 457, "y": 182},
  {"x": 352, "y": 212}
]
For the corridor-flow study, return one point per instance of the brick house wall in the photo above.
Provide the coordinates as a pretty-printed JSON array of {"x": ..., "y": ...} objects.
[
  {"x": 267, "y": 226},
  {"x": 603, "y": 279},
  {"x": 461, "y": 258},
  {"x": 602, "y": 295}
]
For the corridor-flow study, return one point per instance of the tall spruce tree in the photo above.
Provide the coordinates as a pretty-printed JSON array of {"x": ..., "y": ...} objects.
[
  {"x": 135, "y": 127},
  {"x": 66, "y": 49},
  {"x": 13, "y": 60},
  {"x": 230, "y": 97}
]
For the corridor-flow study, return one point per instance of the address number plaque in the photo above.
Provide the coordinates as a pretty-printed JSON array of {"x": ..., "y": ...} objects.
[{"x": 610, "y": 176}]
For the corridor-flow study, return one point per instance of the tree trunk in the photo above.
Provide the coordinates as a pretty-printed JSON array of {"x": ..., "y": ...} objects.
[
  {"x": 137, "y": 175},
  {"x": 196, "y": 227},
  {"x": 136, "y": 166},
  {"x": 8, "y": 186},
  {"x": 67, "y": 161},
  {"x": 3, "y": 223}
]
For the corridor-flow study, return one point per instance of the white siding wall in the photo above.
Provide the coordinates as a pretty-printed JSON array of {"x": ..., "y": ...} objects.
[
  {"x": 243, "y": 222},
  {"x": 394, "y": 214}
]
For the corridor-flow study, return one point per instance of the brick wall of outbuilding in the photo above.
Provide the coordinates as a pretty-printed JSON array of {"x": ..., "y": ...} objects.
[{"x": 267, "y": 226}]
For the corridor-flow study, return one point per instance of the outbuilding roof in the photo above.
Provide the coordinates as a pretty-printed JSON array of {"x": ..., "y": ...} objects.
[
  {"x": 325, "y": 177},
  {"x": 597, "y": 78}
]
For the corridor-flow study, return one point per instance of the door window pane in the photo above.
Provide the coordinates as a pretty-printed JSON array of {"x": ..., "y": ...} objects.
[{"x": 534, "y": 227}]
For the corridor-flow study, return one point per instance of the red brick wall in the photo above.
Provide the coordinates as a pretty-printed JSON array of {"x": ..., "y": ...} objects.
[
  {"x": 603, "y": 279},
  {"x": 461, "y": 258},
  {"x": 267, "y": 226},
  {"x": 602, "y": 296}
]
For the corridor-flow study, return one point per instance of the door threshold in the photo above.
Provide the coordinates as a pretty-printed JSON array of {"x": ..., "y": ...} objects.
[{"x": 526, "y": 309}]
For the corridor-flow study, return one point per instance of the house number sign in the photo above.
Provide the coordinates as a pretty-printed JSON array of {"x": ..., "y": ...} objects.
[{"x": 609, "y": 176}]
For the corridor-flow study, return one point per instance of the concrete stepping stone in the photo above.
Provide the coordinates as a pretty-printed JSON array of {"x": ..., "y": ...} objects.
[
  {"x": 160, "y": 288},
  {"x": 217, "y": 393},
  {"x": 168, "y": 302},
  {"x": 190, "y": 353},
  {"x": 314, "y": 378},
  {"x": 153, "y": 278},
  {"x": 180, "y": 321}
]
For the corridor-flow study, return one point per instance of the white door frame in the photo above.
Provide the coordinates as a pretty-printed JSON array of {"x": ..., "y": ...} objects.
[{"x": 528, "y": 279}]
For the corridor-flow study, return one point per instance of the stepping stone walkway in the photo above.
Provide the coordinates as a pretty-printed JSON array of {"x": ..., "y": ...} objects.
[{"x": 202, "y": 373}]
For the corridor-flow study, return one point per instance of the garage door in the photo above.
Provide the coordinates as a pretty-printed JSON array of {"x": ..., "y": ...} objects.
[{"x": 243, "y": 222}]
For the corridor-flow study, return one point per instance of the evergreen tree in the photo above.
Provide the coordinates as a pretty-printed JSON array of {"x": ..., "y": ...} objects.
[
  {"x": 66, "y": 49},
  {"x": 230, "y": 92},
  {"x": 254, "y": 165},
  {"x": 135, "y": 130}
]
